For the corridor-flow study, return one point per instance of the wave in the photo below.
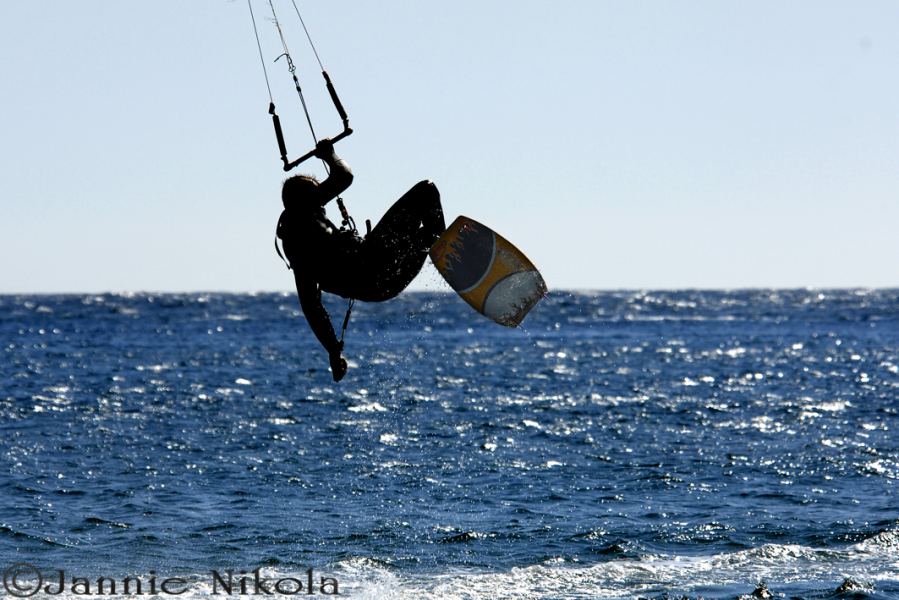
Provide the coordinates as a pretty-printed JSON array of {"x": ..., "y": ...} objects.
[
  {"x": 792, "y": 570},
  {"x": 867, "y": 569},
  {"x": 883, "y": 542},
  {"x": 8, "y": 533}
]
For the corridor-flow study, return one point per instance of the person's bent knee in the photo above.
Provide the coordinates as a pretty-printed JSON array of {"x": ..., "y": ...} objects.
[{"x": 426, "y": 188}]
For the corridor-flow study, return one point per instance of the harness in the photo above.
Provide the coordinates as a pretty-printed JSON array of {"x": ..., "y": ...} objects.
[{"x": 350, "y": 304}]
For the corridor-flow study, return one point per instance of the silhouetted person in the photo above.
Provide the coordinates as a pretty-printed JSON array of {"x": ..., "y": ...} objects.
[{"x": 325, "y": 258}]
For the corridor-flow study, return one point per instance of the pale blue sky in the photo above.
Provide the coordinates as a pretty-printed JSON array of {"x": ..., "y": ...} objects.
[{"x": 626, "y": 144}]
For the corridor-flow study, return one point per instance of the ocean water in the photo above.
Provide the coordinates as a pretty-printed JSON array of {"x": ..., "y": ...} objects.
[{"x": 619, "y": 445}]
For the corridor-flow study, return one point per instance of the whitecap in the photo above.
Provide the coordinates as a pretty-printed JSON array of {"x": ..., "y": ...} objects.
[
  {"x": 835, "y": 406},
  {"x": 367, "y": 408},
  {"x": 154, "y": 368},
  {"x": 228, "y": 391},
  {"x": 650, "y": 575},
  {"x": 885, "y": 541}
]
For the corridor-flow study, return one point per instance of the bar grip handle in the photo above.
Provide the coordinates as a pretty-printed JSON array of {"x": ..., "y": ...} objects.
[
  {"x": 288, "y": 165},
  {"x": 278, "y": 133},
  {"x": 337, "y": 104}
]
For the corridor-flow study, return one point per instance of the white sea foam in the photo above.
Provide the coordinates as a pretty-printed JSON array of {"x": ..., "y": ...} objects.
[
  {"x": 872, "y": 562},
  {"x": 781, "y": 566},
  {"x": 884, "y": 542}
]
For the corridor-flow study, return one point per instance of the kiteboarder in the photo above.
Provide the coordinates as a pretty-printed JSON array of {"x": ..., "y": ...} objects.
[{"x": 325, "y": 258}]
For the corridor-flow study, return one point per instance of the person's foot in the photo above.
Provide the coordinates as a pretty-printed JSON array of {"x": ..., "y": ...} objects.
[{"x": 338, "y": 366}]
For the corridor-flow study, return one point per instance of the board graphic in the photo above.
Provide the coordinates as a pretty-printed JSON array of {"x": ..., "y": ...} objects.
[{"x": 491, "y": 274}]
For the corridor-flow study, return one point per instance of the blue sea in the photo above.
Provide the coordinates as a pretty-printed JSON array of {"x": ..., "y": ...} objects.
[{"x": 630, "y": 444}]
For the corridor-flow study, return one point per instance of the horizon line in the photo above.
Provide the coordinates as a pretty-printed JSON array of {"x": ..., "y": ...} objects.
[{"x": 572, "y": 290}]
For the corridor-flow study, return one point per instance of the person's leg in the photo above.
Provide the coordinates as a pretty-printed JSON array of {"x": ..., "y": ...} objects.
[
  {"x": 397, "y": 247},
  {"x": 417, "y": 216}
]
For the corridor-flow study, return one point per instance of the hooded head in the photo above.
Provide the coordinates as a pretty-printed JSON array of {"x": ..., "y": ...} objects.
[{"x": 296, "y": 189}]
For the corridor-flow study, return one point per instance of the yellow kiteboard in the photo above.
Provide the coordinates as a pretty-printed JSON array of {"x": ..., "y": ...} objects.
[{"x": 491, "y": 274}]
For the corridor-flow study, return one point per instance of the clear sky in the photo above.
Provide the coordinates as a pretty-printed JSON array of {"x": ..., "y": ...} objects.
[{"x": 620, "y": 144}]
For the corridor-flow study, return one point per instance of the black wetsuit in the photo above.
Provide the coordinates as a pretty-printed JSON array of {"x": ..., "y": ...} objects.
[{"x": 372, "y": 269}]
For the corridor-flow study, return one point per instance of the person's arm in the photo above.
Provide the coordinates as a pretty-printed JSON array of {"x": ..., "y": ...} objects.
[
  {"x": 320, "y": 322},
  {"x": 340, "y": 176}
]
